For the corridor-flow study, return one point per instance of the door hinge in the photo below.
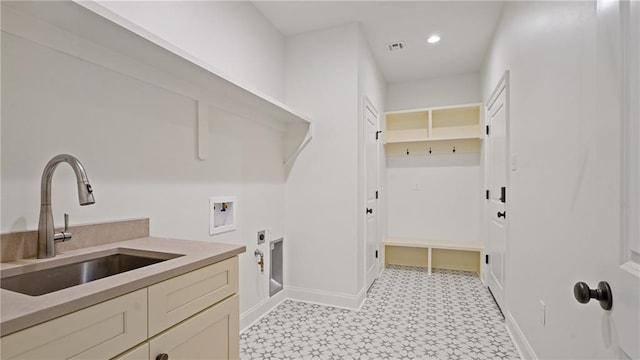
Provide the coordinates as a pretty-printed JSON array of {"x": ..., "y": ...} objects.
[
  {"x": 376, "y": 254},
  {"x": 486, "y": 195},
  {"x": 486, "y": 258},
  {"x": 378, "y": 133},
  {"x": 503, "y": 194},
  {"x": 487, "y": 130},
  {"x": 376, "y": 194}
]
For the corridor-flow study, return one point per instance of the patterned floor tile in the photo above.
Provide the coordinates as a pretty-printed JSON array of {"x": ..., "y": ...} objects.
[{"x": 407, "y": 315}]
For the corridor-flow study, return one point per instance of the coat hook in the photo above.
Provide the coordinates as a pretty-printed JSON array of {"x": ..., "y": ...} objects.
[{"x": 454, "y": 148}]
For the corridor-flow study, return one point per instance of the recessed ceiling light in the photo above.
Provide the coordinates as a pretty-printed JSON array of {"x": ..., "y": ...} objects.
[{"x": 433, "y": 39}]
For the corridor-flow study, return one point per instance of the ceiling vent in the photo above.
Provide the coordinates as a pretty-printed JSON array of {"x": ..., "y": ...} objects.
[{"x": 396, "y": 46}]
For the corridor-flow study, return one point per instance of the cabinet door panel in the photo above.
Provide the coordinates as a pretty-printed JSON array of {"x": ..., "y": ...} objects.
[
  {"x": 176, "y": 299},
  {"x": 212, "y": 334},
  {"x": 97, "y": 332},
  {"x": 139, "y": 353}
]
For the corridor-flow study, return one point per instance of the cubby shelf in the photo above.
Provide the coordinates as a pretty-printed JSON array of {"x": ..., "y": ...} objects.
[{"x": 438, "y": 124}]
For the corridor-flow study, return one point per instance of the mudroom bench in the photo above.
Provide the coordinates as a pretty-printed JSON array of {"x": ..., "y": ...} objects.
[{"x": 441, "y": 254}]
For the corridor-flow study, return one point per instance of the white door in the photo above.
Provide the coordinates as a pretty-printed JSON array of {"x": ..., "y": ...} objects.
[
  {"x": 496, "y": 150},
  {"x": 619, "y": 93},
  {"x": 371, "y": 171}
]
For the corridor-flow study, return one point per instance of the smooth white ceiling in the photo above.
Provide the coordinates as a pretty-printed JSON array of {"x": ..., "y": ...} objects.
[{"x": 466, "y": 28}]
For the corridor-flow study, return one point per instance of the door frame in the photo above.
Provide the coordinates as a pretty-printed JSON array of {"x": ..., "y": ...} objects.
[
  {"x": 368, "y": 106},
  {"x": 503, "y": 83},
  {"x": 631, "y": 132},
  {"x": 629, "y": 270}
]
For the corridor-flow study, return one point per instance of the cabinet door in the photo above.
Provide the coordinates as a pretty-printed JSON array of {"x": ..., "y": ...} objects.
[
  {"x": 176, "y": 299},
  {"x": 212, "y": 334},
  {"x": 97, "y": 332},
  {"x": 139, "y": 353}
]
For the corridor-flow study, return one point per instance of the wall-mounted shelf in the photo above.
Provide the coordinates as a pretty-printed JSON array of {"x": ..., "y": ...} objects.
[
  {"x": 437, "y": 129},
  {"x": 434, "y": 147},
  {"x": 91, "y": 32},
  {"x": 407, "y": 126}
]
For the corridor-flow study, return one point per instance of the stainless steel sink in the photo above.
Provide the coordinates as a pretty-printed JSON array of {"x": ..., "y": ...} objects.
[{"x": 56, "y": 278}]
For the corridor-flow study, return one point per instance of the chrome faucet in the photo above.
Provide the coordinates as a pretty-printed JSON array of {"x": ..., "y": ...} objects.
[{"x": 46, "y": 232}]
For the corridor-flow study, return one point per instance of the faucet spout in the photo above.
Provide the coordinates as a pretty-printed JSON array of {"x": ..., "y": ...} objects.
[{"x": 46, "y": 231}]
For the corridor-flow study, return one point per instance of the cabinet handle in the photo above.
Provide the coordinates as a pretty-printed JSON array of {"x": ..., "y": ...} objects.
[
  {"x": 502, "y": 214},
  {"x": 162, "y": 356}
]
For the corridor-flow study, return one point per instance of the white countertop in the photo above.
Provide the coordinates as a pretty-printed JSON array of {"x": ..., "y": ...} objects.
[{"x": 19, "y": 311}]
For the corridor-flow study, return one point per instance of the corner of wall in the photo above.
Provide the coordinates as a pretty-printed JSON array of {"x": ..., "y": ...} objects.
[
  {"x": 321, "y": 80},
  {"x": 371, "y": 93},
  {"x": 346, "y": 301},
  {"x": 260, "y": 310}
]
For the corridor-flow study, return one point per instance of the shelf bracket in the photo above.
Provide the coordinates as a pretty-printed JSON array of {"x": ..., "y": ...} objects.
[{"x": 308, "y": 135}]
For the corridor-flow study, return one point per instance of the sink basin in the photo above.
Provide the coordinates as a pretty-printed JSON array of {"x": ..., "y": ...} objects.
[{"x": 56, "y": 278}]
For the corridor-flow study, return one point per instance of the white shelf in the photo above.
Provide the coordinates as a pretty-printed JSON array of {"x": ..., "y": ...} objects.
[
  {"x": 436, "y": 244},
  {"x": 431, "y": 245},
  {"x": 436, "y": 146},
  {"x": 434, "y": 125},
  {"x": 456, "y": 132},
  {"x": 91, "y": 32},
  {"x": 400, "y": 136}
]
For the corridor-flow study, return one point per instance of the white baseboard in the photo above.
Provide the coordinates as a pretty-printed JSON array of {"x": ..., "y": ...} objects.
[
  {"x": 345, "y": 301},
  {"x": 259, "y": 310},
  {"x": 519, "y": 340}
]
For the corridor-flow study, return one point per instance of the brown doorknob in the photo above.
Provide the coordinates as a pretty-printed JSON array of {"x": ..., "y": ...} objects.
[{"x": 602, "y": 293}]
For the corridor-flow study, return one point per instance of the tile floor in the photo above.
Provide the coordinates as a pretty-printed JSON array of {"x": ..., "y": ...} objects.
[{"x": 407, "y": 315}]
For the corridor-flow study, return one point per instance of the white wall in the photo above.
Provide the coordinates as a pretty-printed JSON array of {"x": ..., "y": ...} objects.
[
  {"x": 436, "y": 197},
  {"x": 563, "y": 199},
  {"x": 328, "y": 75},
  {"x": 371, "y": 86},
  {"x": 449, "y": 90},
  {"x": 138, "y": 145},
  {"x": 321, "y": 80},
  {"x": 232, "y": 36}
]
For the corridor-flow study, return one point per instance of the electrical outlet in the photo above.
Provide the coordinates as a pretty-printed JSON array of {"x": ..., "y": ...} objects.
[
  {"x": 261, "y": 237},
  {"x": 543, "y": 313}
]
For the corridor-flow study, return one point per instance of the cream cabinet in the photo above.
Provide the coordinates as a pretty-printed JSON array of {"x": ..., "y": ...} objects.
[
  {"x": 191, "y": 316},
  {"x": 138, "y": 353},
  {"x": 212, "y": 334},
  {"x": 97, "y": 332},
  {"x": 176, "y": 299}
]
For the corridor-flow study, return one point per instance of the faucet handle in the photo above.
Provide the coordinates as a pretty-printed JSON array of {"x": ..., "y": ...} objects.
[{"x": 65, "y": 234}]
